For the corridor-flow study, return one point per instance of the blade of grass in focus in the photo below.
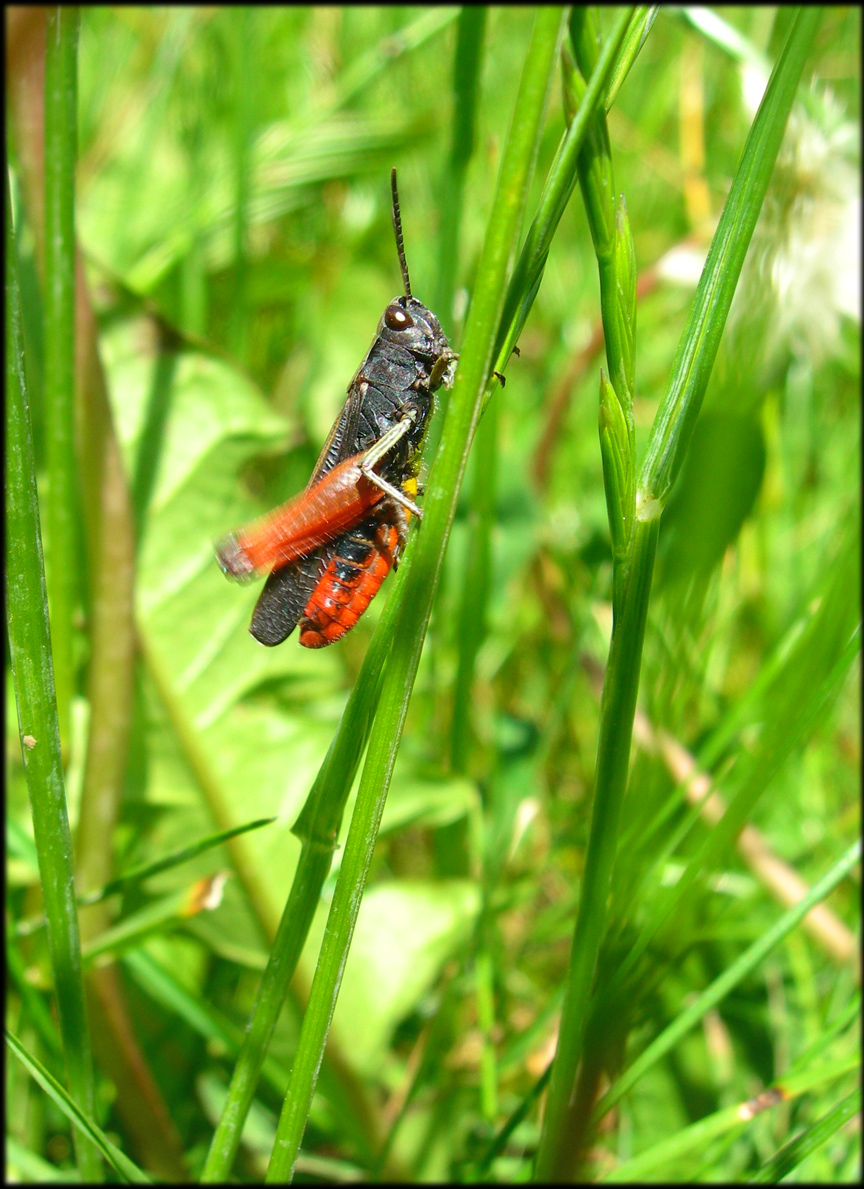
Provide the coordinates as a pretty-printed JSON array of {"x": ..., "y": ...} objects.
[
  {"x": 317, "y": 828},
  {"x": 419, "y": 585},
  {"x": 33, "y": 678}
]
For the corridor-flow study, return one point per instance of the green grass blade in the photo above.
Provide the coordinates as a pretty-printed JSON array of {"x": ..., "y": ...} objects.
[
  {"x": 177, "y": 857},
  {"x": 813, "y": 1138},
  {"x": 83, "y": 1126},
  {"x": 466, "y": 77},
  {"x": 640, "y": 26},
  {"x": 419, "y": 586},
  {"x": 138, "y": 875},
  {"x": 157, "y": 917},
  {"x": 33, "y": 678},
  {"x": 559, "y": 186},
  {"x": 618, "y": 706},
  {"x": 522, "y": 290},
  {"x": 670, "y": 434},
  {"x": 471, "y": 615},
  {"x": 317, "y": 828},
  {"x": 521, "y": 1112}
]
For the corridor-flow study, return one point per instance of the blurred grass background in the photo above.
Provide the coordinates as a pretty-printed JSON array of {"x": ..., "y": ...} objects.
[{"x": 233, "y": 210}]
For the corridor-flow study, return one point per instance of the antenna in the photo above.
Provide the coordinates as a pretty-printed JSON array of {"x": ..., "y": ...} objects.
[{"x": 397, "y": 227}]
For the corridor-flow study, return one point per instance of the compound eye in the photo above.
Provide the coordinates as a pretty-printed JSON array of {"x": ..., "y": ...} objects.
[{"x": 397, "y": 319}]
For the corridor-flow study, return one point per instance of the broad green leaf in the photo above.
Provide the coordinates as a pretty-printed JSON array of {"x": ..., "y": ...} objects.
[{"x": 405, "y": 933}]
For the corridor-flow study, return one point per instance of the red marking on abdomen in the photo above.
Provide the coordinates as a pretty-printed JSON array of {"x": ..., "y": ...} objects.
[{"x": 363, "y": 560}]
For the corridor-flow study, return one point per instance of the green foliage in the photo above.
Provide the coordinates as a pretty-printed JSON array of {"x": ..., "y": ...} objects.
[{"x": 233, "y": 214}]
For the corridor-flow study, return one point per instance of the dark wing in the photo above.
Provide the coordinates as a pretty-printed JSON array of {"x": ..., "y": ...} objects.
[
  {"x": 342, "y": 439},
  {"x": 285, "y": 595}
]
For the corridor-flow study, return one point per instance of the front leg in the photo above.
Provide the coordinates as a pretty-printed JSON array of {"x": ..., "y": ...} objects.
[{"x": 442, "y": 370}]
